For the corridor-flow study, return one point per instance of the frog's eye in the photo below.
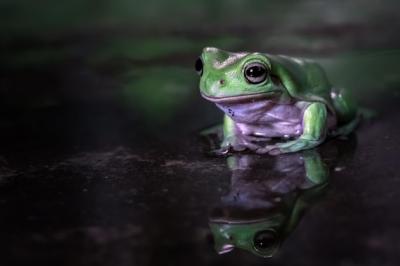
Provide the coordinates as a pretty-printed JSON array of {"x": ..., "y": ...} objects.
[
  {"x": 264, "y": 240},
  {"x": 255, "y": 73},
  {"x": 199, "y": 66}
]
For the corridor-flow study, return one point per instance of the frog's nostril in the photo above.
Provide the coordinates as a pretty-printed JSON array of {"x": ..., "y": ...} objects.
[{"x": 222, "y": 81}]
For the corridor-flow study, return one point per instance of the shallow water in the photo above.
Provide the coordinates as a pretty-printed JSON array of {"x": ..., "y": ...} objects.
[{"x": 101, "y": 162}]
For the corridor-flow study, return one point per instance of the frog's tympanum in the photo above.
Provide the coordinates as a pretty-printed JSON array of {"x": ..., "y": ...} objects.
[
  {"x": 266, "y": 200},
  {"x": 266, "y": 97}
]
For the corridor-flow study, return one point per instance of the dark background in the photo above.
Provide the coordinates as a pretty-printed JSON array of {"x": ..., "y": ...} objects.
[{"x": 100, "y": 159}]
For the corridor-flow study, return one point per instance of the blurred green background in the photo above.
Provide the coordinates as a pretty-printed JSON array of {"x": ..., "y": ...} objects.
[{"x": 140, "y": 53}]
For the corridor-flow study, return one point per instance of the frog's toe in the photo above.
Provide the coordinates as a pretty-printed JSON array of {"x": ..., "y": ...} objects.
[
  {"x": 265, "y": 149},
  {"x": 239, "y": 147},
  {"x": 223, "y": 151},
  {"x": 275, "y": 151},
  {"x": 297, "y": 145},
  {"x": 251, "y": 146}
]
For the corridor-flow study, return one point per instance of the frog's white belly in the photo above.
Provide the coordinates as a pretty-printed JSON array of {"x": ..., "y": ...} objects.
[{"x": 266, "y": 119}]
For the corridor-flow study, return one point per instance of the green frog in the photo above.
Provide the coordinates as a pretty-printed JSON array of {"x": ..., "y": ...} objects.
[{"x": 268, "y": 97}]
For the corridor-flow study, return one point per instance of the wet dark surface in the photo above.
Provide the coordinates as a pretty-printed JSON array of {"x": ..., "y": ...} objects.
[{"x": 101, "y": 162}]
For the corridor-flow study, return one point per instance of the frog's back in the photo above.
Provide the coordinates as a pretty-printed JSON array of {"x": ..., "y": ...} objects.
[
  {"x": 342, "y": 101},
  {"x": 306, "y": 80}
]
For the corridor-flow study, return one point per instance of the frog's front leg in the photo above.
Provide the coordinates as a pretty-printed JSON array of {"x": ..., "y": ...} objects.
[
  {"x": 229, "y": 137},
  {"x": 232, "y": 140},
  {"x": 314, "y": 132}
]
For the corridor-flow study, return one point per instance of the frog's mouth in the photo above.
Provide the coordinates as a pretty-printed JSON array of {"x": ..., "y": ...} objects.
[{"x": 241, "y": 98}]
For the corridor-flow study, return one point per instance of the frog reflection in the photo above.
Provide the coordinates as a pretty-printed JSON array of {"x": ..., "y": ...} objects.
[{"x": 267, "y": 199}]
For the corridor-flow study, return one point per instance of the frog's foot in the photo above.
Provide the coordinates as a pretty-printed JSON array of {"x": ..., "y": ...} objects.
[
  {"x": 268, "y": 149},
  {"x": 234, "y": 144},
  {"x": 223, "y": 151},
  {"x": 228, "y": 145},
  {"x": 227, "y": 149},
  {"x": 288, "y": 147}
]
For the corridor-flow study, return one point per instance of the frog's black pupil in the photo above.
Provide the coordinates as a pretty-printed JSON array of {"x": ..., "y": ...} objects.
[
  {"x": 264, "y": 240},
  {"x": 255, "y": 71},
  {"x": 199, "y": 66}
]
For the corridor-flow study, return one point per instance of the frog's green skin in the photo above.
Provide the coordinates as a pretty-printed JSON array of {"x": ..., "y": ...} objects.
[
  {"x": 295, "y": 102},
  {"x": 254, "y": 204}
]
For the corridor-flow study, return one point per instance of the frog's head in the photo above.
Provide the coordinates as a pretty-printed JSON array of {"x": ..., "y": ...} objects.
[
  {"x": 226, "y": 76},
  {"x": 259, "y": 238}
]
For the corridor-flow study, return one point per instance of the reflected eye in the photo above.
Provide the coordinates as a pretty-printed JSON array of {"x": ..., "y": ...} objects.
[
  {"x": 264, "y": 240},
  {"x": 255, "y": 73},
  {"x": 199, "y": 66}
]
